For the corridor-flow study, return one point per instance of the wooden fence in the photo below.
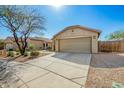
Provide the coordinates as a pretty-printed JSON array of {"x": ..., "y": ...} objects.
[{"x": 111, "y": 46}]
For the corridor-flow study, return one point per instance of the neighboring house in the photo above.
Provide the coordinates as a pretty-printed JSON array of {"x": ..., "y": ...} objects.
[
  {"x": 76, "y": 39},
  {"x": 37, "y": 42}
]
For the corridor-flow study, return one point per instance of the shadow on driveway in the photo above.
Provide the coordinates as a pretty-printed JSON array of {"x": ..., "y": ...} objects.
[{"x": 78, "y": 58}]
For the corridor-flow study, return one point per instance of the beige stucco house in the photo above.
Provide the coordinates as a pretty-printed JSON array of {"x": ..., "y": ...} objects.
[
  {"x": 76, "y": 39},
  {"x": 38, "y": 43}
]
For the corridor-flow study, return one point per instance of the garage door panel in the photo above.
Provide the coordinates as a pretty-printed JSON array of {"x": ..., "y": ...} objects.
[{"x": 76, "y": 45}]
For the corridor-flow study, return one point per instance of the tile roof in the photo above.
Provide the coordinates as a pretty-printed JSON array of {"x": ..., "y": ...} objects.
[{"x": 9, "y": 39}]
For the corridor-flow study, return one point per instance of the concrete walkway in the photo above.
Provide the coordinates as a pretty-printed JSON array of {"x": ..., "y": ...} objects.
[{"x": 57, "y": 70}]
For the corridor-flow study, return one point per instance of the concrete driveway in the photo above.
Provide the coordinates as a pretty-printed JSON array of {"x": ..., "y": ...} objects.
[{"x": 57, "y": 70}]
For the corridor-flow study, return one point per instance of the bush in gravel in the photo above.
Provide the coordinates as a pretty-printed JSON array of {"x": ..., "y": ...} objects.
[
  {"x": 10, "y": 49},
  {"x": 31, "y": 47},
  {"x": 17, "y": 50},
  {"x": 17, "y": 53},
  {"x": 34, "y": 53},
  {"x": 10, "y": 53},
  {"x": 26, "y": 54},
  {"x": 27, "y": 49},
  {"x": 49, "y": 48}
]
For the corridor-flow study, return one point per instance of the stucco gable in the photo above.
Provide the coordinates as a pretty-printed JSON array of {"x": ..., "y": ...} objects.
[{"x": 81, "y": 28}]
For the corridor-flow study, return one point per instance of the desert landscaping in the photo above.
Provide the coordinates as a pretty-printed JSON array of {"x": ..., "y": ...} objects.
[{"x": 105, "y": 69}]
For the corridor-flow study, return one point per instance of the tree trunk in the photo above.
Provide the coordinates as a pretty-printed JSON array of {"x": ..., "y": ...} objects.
[{"x": 22, "y": 51}]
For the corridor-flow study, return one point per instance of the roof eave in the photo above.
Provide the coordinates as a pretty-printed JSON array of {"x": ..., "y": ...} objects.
[{"x": 94, "y": 30}]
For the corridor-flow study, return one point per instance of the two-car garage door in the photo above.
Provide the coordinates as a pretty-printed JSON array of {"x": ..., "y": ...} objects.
[{"x": 82, "y": 45}]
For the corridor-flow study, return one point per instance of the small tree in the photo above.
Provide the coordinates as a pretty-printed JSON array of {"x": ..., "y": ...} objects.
[
  {"x": 21, "y": 24},
  {"x": 115, "y": 35}
]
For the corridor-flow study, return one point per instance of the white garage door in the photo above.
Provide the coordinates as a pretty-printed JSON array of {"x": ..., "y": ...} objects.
[{"x": 76, "y": 45}]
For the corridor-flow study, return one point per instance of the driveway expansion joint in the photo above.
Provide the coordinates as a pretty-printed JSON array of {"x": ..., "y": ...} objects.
[
  {"x": 78, "y": 77},
  {"x": 37, "y": 77},
  {"x": 56, "y": 74},
  {"x": 22, "y": 81},
  {"x": 48, "y": 65},
  {"x": 70, "y": 65}
]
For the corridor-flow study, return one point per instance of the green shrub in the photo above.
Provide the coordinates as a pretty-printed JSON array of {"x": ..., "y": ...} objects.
[
  {"x": 34, "y": 53},
  {"x": 17, "y": 50},
  {"x": 31, "y": 47},
  {"x": 26, "y": 54},
  {"x": 49, "y": 48},
  {"x": 17, "y": 53},
  {"x": 10, "y": 53},
  {"x": 41, "y": 48},
  {"x": 10, "y": 49},
  {"x": 27, "y": 49}
]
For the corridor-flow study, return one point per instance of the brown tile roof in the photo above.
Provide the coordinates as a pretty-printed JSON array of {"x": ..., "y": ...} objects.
[
  {"x": 11, "y": 39},
  {"x": 41, "y": 38}
]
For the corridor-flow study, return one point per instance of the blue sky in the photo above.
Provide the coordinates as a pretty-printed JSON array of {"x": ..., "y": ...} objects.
[{"x": 105, "y": 18}]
